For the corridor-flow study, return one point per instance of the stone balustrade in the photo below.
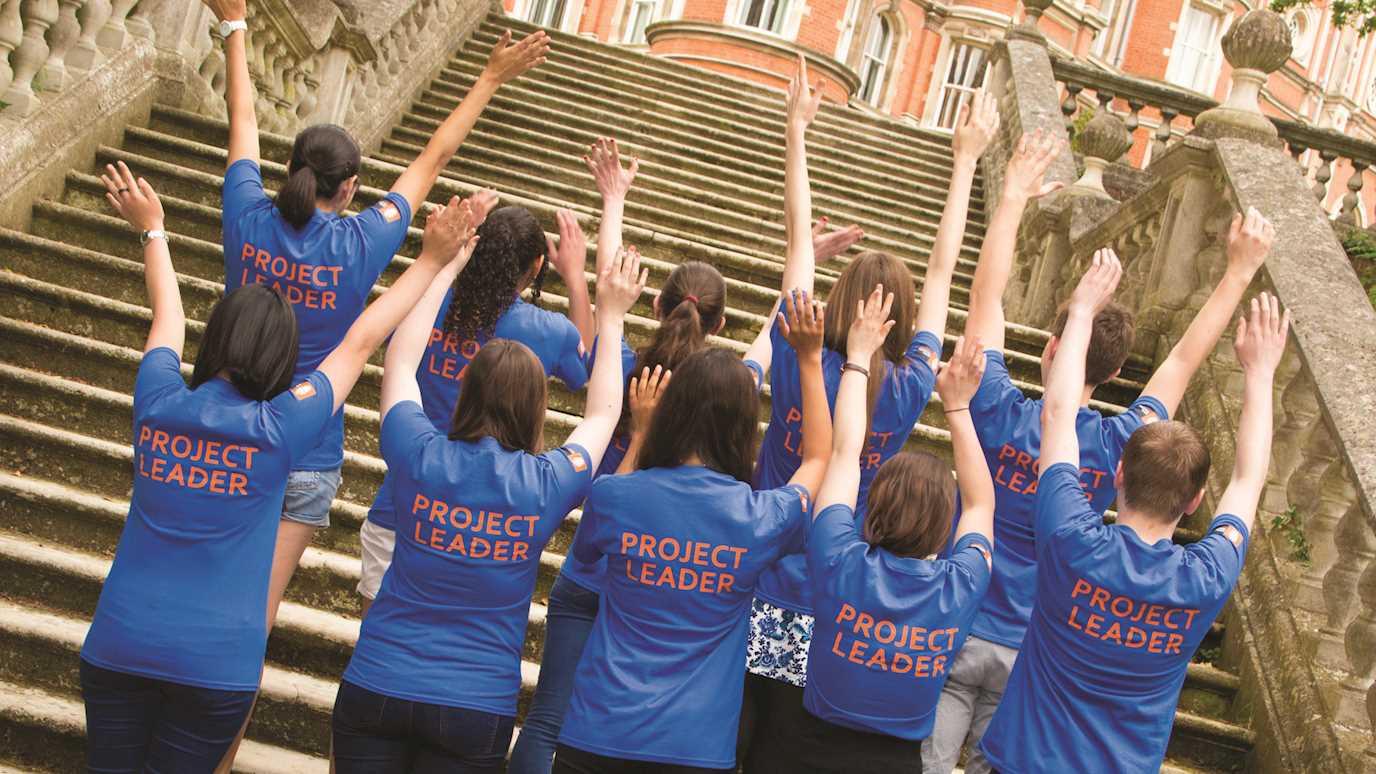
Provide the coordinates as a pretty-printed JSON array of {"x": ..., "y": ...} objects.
[{"x": 47, "y": 44}]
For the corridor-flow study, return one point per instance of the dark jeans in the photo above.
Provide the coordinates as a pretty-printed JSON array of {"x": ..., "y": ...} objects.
[
  {"x": 788, "y": 739},
  {"x": 571, "y": 760},
  {"x": 572, "y": 610},
  {"x": 140, "y": 724},
  {"x": 376, "y": 734}
]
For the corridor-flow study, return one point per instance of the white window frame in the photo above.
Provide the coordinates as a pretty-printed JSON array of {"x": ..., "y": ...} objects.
[
  {"x": 968, "y": 75},
  {"x": 778, "y": 21},
  {"x": 561, "y": 6},
  {"x": 848, "y": 24},
  {"x": 635, "y": 31},
  {"x": 874, "y": 65},
  {"x": 1195, "y": 53}
]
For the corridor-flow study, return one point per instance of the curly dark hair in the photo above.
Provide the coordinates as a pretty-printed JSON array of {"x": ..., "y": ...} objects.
[{"x": 509, "y": 241}]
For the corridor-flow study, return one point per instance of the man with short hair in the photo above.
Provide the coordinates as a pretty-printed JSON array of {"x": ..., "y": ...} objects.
[
  {"x": 1009, "y": 428},
  {"x": 1120, "y": 609}
]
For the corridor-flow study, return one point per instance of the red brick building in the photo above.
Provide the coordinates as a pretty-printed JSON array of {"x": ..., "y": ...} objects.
[{"x": 918, "y": 59}]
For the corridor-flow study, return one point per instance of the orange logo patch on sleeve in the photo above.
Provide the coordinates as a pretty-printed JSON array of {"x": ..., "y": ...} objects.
[
  {"x": 1147, "y": 414},
  {"x": 802, "y": 498},
  {"x": 988, "y": 559},
  {"x": 389, "y": 211},
  {"x": 577, "y": 460},
  {"x": 1233, "y": 534},
  {"x": 303, "y": 391}
]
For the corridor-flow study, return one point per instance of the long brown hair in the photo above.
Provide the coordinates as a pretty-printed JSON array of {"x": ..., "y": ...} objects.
[
  {"x": 710, "y": 410},
  {"x": 691, "y": 305},
  {"x": 855, "y": 284},
  {"x": 910, "y": 505},
  {"x": 503, "y": 396}
]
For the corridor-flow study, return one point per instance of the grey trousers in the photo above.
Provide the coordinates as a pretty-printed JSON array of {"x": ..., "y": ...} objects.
[{"x": 972, "y": 693}]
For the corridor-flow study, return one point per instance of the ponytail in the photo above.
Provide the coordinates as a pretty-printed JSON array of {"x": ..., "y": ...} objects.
[{"x": 322, "y": 158}]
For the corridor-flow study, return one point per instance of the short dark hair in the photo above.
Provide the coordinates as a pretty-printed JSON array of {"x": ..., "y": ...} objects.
[
  {"x": 910, "y": 505},
  {"x": 252, "y": 339},
  {"x": 710, "y": 409},
  {"x": 502, "y": 396},
  {"x": 1165, "y": 464},
  {"x": 1114, "y": 333},
  {"x": 322, "y": 158},
  {"x": 509, "y": 243}
]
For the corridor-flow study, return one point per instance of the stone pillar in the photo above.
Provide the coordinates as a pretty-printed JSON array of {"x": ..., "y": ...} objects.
[
  {"x": 1021, "y": 80},
  {"x": 1256, "y": 45}
]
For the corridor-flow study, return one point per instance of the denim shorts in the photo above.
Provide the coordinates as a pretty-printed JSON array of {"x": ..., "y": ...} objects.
[{"x": 309, "y": 494}]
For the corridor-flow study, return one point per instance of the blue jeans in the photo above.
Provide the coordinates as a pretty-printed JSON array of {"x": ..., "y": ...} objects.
[
  {"x": 141, "y": 724},
  {"x": 309, "y": 495},
  {"x": 572, "y": 609},
  {"x": 377, "y": 734}
]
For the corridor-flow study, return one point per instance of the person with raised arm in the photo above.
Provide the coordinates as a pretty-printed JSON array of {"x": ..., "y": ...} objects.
[
  {"x": 903, "y": 377},
  {"x": 1121, "y": 608},
  {"x": 658, "y": 686},
  {"x": 173, "y": 658},
  {"x": 1009, "y": 428},
  {"x": 323, "y": 261},
  {"x": 433, "y": 682}
]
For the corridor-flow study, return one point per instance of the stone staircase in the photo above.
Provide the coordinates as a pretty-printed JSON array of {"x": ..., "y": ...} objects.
[{"x": 73, "y": 319}]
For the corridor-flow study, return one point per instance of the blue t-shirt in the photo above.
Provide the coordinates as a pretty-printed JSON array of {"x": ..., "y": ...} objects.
[
  {"x": 1009, "y": 426},
  {"x": 902, "y": 398},
  {"x": 1116, "y": 623},
  {"x": 550, "y": 335},
  {"x": 661, "y": 675},
  {"x": 326, "y": 270},
  {"x": 887, "y": 627},
  {"x": 589, "y": 576},
  {"x": 472, "y": 519},
  {"x": 186, "y": 598}
]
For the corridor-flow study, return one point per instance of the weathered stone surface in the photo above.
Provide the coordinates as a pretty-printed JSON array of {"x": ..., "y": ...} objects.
[{"x": 1259, "y": 40}]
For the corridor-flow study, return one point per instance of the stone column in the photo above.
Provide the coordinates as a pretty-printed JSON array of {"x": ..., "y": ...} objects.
[{"x": 1256, "y": 45}]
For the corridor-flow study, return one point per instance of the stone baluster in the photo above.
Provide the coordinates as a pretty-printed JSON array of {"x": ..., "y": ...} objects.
[
  {"x": 61, "y": 36},
  {"x": 1102, "y": 141},
  {"x": 1027, "y": 29},
  {"x": 1162, "y": 139},
  {"x": 113, "y": 34},
  {"x": 11, "y": 34},
  {"x": 1256, "y": 45},
  {"x": 29, "y": 56},
  {"x": 1323, "y": 174},
  {"x": 138, "y": 24},
  {"x": 1070, "y": 105},
  {"x": 1352, "y": 201},
  {"x": 1134, "y": 109},
  {"x": 92, "y": 18}
]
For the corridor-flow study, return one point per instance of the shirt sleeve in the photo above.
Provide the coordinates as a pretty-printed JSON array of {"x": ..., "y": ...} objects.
[
  {"x": 573, "y": 362},
  {"x": 917, "y": 373},
  {"x": 756, "y": 372},
  {"x": 405, "y": 432},
  {"x": 832, "y": 532},
  {"x": 1061, "y": 501},
  {"x": 1224, "y": 549},
  {"x": 243, "y": 189},
  {"x": 587, "y": 548},
  {"x": 996, "y": 389},
  {"x": 160, "y": 373},
  {"x": 1117, "y": 430},
  {"x": 974, "y": 554},
  {"x": 303, "y": 412},
  {"x": 382, "y": 227},
  {"x": 784, "y": 356},
  {"x": 791, "y": 507},
  {"x": 568, "y": 475}
]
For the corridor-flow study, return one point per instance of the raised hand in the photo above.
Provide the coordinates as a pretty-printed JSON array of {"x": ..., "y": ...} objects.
[
  {"x": 644, "y": 393},
  {"x": 604, "y": 161},
  {"x": 976, "y": 127},
  {"x": 572, "y": 253},
  {"x": 803, "y": 101},
  {"x": 232, "y": 10},
  {"x": 134, "y": 200},
  {"x": 449, "y": 233},
  {"x": 1028, "y": 166},
  {"x": 621, "y": 283},
  {"x": 959, "y": 379},
  {"x": 1099, "y": 282},
  {"x": 827, "y": 245},
  {"x": 803, "y": 322},
  {"x": 870, "y": 327},
  {"x": 509, "y": 61},
  {"x": 1260, "y": 340},
  {"x": 1249, "y": 241},
  {"x": 482, "y": 202}
]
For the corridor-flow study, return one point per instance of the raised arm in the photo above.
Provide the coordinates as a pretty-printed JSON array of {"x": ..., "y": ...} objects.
[
  {"x": 1066, "y": 382},
  {"x": 613, "y": 183},
  {"x": 448, "y": 231},
  {"x": 569, "y": 258},
  {"x": 867, "y": 333},
  {"x": 957, "y": 384},
  {"x": 243, "y": 117},
  {"x": 829, "y": 244},
  {"x": 803, "y": 326},
  {"x": 978, "y": 124},
  {"x": 644, "y": 394},
  {"x": 407, "y": 346},
  {"x": 618, "y": 287},
  {"x": 1249, "y": 241},
  {"x": 761, "y": 350},
  {"x": 505, "y": 63},
  {"x": 1021, "y": 183},
  {"x": 1260, "y": 344},
  {"x": 800, "y": 262},
  {"x": 137, "y": 202}
]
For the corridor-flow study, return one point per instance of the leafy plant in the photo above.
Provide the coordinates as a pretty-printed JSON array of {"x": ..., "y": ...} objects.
[
  {"x": 1209, "y": 655},
  {"x": 1361, "y": 250},
  {"x": 1291, "y": 527},
  {"x": 1077, "y": 125},
  {"x": 1357, "y": 14}
]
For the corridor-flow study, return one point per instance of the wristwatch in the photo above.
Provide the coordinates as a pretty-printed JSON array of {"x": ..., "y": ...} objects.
[
  {"x": 148, "y": 236},
  {"x": 228, "y": 26}
]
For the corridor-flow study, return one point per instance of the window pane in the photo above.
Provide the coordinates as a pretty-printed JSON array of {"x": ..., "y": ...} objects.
[{"x": 964, "y": 75}]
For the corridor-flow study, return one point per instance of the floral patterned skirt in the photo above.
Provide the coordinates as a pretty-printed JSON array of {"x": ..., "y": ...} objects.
[{"x": 779, "y": 640}]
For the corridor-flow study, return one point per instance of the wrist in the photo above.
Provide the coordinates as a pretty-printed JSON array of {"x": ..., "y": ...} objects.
[
  {"x": 487, "y": 83},
  {"x": 964, "y": 162},
  {"x": 1239, "y": 273}
]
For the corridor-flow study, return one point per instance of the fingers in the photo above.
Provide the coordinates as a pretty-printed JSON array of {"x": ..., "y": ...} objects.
[{"x": 888, "y": 305}]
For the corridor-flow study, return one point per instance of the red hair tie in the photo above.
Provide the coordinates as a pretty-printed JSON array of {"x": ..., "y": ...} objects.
[{"x": 691, "y": 299}]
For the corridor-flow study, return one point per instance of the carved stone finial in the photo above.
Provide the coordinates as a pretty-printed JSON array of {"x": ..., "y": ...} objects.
[
  {"x": 1027, "y": 29},
  {"x": 1102, "y": 140},
  {"x": 1256, "y": 45}
]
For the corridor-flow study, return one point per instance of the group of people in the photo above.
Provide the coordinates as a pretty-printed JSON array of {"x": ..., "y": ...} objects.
[{"x": 816, "y": 600}]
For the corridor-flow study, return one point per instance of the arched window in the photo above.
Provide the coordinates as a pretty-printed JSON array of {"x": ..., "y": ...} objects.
[
  {"x": 874, "y": 61},
  {"x": 546, "y": 13}
]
